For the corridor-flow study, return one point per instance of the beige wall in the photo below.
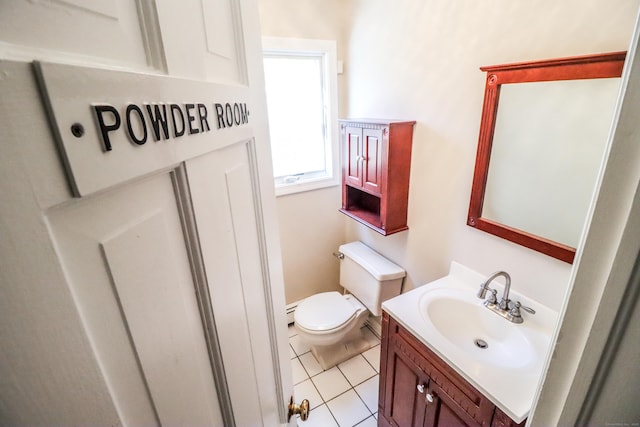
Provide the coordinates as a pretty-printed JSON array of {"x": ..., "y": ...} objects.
[
  {"x": 420, "y": 61},
  {"x": 311, "y": 228}
]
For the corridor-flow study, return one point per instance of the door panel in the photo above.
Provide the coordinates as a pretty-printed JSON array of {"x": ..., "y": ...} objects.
[
  {"x": 226, "y": 207},
  {"x": 404, "y": 406},
  {"x": 213, "y": 47},
  {"x": 125, "y": 257},
  {"x": 111, "y": 30},
  {"x": 372, "y": 172},
  {"x": 353, "y": 156},
  {"x": 223, "y": 30},
  {"x": 443, "y": 411},
  {"x": 447, "y": 418}
]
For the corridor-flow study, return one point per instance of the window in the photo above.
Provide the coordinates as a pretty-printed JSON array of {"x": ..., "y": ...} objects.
[{"x": 301, "y": 86}]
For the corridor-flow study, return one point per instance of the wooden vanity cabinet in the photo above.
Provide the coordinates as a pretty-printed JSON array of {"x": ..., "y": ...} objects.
[
  {"x": 418, "y": 389},
  {"x": 376, "y": 161}
]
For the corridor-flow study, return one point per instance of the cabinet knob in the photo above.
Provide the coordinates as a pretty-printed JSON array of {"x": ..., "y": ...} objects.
[
  {"x": 429, "y": 397},
  {"x": 420, "y": 388}
]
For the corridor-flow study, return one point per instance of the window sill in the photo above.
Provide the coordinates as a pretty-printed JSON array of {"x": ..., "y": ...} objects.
[{"x": 299, "y": 187}]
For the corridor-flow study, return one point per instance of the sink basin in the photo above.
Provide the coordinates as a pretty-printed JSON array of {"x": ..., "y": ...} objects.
[{"x": 461, "y": 319}]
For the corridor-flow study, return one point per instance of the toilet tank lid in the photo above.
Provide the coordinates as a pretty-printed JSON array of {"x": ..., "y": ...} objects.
[{"x": 379, "y": 267}]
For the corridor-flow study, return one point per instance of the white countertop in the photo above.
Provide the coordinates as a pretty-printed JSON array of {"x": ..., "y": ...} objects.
[{"x": 511, "y": 388}]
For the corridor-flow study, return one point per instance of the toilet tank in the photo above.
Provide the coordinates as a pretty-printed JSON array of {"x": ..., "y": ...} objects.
[{"x": 369, "y": 276}]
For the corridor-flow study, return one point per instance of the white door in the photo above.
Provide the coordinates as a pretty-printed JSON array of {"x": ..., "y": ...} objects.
[
  {"x": 141, "y": 281},
  {"x": 127, "y": 265}
]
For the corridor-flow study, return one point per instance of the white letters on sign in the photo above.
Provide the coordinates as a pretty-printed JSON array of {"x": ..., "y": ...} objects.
[{"x": 112, "y": 126}]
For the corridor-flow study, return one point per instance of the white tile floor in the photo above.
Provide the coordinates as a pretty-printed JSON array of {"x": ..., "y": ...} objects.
[{"x": 343, "y": 396}]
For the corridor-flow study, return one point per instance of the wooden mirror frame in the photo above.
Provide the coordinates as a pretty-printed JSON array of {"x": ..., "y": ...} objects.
[{"x": 573, "y": 68}]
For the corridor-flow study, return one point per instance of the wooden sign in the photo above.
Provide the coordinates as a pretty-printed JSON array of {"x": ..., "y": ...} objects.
[{"x": 113, "y": 126}]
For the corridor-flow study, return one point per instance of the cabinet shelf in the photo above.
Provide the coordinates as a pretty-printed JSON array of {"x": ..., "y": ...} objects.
[{"x": 375, "y": 172}]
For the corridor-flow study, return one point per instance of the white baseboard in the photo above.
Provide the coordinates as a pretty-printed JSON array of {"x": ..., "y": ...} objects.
[{"x": 290, "y": 309}]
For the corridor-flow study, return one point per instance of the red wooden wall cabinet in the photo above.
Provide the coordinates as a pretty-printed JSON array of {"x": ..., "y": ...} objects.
[{"x": 376, "y": 157}]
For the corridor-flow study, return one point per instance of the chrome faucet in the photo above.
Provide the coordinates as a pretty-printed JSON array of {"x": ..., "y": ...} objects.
[
  {"x": 484, "y": 287},
  {"x": 503, "y": 308}
]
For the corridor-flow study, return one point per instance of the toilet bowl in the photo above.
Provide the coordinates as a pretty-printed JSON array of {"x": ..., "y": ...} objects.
[
  {"x": 330, "y": 323},
  {"x": 328, "y": 317}
]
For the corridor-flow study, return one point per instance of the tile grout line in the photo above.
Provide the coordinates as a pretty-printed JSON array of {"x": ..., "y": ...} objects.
[
  {"x": 372, "y": 414},
  {"x": 345, "y": 392},
  {"x": 352, "y": 387}
]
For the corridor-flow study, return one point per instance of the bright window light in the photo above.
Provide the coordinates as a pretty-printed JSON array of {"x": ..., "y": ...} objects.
[{"x": 300, "y": 81}]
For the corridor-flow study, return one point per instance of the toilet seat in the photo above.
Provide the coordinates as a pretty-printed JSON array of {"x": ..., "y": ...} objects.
[{"x": 324, "y": 312}]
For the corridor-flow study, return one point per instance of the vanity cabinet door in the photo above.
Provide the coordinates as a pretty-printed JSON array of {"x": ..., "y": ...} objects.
[
  {"x": 405, "y": 403},
  {"x": 401, "y": 401},
  {"x": 442, "y": 411}
]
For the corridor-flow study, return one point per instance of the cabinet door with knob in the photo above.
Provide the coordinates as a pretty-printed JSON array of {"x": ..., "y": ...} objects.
[
  {"x": 404, "y": 402},
  {"x": 372, "y": 165},
  {"x": 442, "y": 411}
]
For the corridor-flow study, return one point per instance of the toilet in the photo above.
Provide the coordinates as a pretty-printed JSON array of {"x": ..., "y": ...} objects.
[{"x": 330, "y": 323}]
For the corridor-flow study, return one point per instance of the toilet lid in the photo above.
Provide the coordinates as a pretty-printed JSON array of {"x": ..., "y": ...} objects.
[{"x": 324, "y": 311}]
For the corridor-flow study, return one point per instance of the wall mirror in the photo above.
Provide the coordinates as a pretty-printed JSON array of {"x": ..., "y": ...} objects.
[{"x": 543, "y": 133}]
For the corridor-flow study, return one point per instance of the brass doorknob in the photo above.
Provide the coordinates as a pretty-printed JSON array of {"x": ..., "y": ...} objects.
[{"x": 302, "y": 409}]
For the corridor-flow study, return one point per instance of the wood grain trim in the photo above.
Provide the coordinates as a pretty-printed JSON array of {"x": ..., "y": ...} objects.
[{"x": 570, "y": 68}]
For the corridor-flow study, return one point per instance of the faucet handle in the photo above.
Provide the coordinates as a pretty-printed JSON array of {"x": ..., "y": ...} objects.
[
  {"x": 515, "y": 310},
  {"x": 525, "y": 308},
  {"x": 493, "y": 298}
]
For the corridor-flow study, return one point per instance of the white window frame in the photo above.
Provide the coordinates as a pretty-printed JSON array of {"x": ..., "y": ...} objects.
[{"x": 326, "y": 49}]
